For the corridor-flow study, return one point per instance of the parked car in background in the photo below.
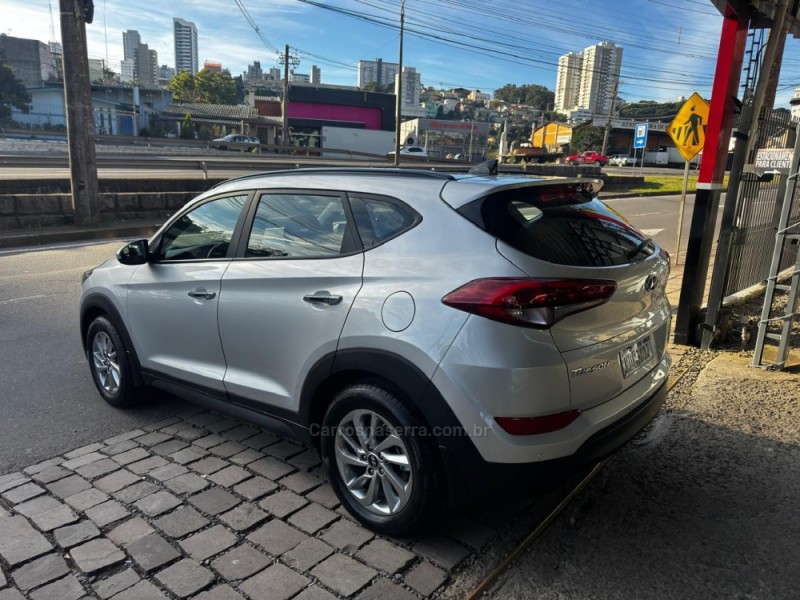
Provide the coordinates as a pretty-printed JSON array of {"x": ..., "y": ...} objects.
[
  {"x": 411, "y": 151},
  {"x": 590, "y": 157},
  {"x": 236, "y": 141},
  {"x": 622, "y": 160},
  {"x": 437, "y": 336}
]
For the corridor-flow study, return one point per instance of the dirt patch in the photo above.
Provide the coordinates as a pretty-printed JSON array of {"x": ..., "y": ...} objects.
[{"x": 702, "y": 505}]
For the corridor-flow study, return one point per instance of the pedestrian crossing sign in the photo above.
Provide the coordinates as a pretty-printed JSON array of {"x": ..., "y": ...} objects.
[{"x": 688, "y": 129}]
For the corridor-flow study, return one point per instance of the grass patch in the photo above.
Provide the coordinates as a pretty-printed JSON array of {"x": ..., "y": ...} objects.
[{"x": 668, "y": 184}]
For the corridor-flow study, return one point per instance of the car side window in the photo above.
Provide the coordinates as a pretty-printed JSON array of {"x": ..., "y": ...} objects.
[
  {"x": 379, "y": 220},
  {"x": 298, "y": 225},
  {"x": 205, "y": 232}
]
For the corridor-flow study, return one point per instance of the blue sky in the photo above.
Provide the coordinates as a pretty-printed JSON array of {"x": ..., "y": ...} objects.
[{"x": 669, "y": 45}]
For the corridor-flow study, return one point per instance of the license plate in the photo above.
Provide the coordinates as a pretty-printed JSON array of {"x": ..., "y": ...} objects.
[{"x": 636, "y": 355}]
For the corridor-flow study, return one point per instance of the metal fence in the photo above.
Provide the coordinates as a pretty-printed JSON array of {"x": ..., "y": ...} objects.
[{"x": 758, "y": 208}]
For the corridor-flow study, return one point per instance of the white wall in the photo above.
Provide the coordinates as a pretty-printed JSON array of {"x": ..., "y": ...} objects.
[{"x": 360, "y": 140}]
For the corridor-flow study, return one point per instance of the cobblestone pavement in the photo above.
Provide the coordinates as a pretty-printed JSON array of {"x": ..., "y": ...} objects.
[{"x": 203, "y": 506}]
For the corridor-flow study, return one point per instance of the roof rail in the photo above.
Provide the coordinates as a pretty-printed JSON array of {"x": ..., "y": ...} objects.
[{"x": 345, "y": 171}]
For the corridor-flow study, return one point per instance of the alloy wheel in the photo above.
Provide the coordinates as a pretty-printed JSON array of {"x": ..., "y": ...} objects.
[
  {"x": 106, "y": 363},
  {"x": 373, "y": 462}
]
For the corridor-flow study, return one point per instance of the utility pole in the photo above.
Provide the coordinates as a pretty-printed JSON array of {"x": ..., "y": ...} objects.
[
  {"x": 78, "y": 103},
  {"x": 286, "y": 59},
  {"x": 399, "y": 91},
  {"x": 610, "y": 116},
  {"x": 285, "y": 106}
]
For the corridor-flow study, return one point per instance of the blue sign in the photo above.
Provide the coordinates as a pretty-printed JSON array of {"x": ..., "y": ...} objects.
[{"x": 640, "y": 137}]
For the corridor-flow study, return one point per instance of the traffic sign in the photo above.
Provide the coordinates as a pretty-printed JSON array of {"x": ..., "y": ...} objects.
[
  {"x": 688, "y": 129},
  {"x": 640, "y": 137}
]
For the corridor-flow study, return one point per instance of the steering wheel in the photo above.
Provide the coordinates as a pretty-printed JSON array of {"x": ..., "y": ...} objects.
[{"x": 218, "y": 250}]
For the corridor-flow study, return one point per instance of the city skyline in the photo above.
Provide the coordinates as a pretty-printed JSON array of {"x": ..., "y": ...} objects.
[{"x": 670, "y": 46}]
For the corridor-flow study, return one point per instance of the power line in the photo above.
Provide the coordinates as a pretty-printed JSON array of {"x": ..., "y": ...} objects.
[
  {"x": 254, "y": 25},
  {"x": 505, "y": 52}
]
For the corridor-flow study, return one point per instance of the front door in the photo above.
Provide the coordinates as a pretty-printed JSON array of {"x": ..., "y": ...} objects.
[{"x": 173, "y": 300}]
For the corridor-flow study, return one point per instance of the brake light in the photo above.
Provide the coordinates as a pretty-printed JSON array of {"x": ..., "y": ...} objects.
[
  {"x": 534, "y": 425},
  {"x": 536, "y": 303},
  {"x": 564, "y": 195}
]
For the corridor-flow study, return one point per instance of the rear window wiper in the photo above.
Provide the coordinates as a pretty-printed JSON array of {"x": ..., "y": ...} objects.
[{"x": 640, "y": 246}]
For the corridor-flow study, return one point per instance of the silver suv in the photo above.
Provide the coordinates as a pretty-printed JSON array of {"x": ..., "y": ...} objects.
[{"x": 432, "y": 334}]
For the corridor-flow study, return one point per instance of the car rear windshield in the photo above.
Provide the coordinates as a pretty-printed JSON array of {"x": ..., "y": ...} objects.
[{"x": 561, "y": 225}]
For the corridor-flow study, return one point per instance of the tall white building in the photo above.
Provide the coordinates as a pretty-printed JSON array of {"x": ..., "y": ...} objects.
[
  {"x": 586, "y": 80},
  {"x": 152, "y": 56},
  {"x": 599, "y": 77},
  {"x": 139, "y": 63},
  {"x": 409, "y": 99},
  {"x": 130, "y": 44},
  {"x": 316, "y": 75},
  {"x": 299, "y": 77},
  {"x": 568, "y": 81},
  {"x": 376, "y": 71},
  {"x": 127, "y": 70},
  {"x": 185, "y": 45},
  {"x": 411, "y": 85}
]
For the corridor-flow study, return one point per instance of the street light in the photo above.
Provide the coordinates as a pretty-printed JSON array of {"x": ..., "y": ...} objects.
[{"x": 399, "y": 91}]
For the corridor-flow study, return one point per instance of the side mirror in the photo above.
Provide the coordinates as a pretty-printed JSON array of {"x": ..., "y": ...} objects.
[{"x": 135, "y": 253}]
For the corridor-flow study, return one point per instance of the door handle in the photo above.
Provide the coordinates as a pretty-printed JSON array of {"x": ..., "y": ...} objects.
[
  {"x": 323, "y": 297},
  {"x": 202, "y": 293}
]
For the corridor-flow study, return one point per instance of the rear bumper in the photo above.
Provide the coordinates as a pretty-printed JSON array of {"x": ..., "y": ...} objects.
[{"x": 471, "y": 477}]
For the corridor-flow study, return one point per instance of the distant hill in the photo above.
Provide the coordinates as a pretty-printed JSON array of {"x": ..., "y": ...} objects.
[{"x": 648, "y": 109}]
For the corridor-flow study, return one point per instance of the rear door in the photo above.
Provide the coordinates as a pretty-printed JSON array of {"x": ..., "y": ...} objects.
[
  {"x": 285, "y": 300},
  {"x": 552, "y": 232}
]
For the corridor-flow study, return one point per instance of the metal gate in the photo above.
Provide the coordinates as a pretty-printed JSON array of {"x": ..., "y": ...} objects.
[{"x": 758, "y": 209}]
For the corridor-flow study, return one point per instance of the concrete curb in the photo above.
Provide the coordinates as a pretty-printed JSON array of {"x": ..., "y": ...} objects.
[
  {"x": 754, "y": 290},
  {"x": 58, "y": 235}
]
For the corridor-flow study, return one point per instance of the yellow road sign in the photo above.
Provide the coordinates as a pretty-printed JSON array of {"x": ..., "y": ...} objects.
[{"x": 688, "y": 129}]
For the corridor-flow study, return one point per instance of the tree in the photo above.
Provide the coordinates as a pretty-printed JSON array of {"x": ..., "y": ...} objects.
[
  {"x": 648, "y": 109},
  {"x": 215, "y": 88},
  {"x": 187, "y": 128},
  {"x": 588, "y": 137},
  {"x": 383, "y": 88},
  {"x": 537, "y": 96},
  {"x": 12, "y": 90},
  {"x": 182, "y": 87},
  {"x": 241, "y": 91},
  {"x": 207, "y": 87},
  {"x": 521, "y": 133}
]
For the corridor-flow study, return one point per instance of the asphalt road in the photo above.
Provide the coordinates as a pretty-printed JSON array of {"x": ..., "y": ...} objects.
[
  {"x": 48, "y": 402},
  {"x": 657, "y": 216}
]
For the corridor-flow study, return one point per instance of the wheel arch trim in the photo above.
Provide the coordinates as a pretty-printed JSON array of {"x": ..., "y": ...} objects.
[
  {"x": 415, "y": 386},
  {"x": 333, "y": 371},
  {"x": 96, "y": 304}
]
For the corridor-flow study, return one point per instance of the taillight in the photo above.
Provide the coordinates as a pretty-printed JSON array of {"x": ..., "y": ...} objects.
[
  {"x": 536, "y": 303},
  {"x": 536, "y": 425}
]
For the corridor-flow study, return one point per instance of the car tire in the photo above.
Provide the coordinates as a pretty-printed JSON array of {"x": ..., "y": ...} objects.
[
  {"x": 110, "y": 364},
  {"x": 369, "y": 434}
]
